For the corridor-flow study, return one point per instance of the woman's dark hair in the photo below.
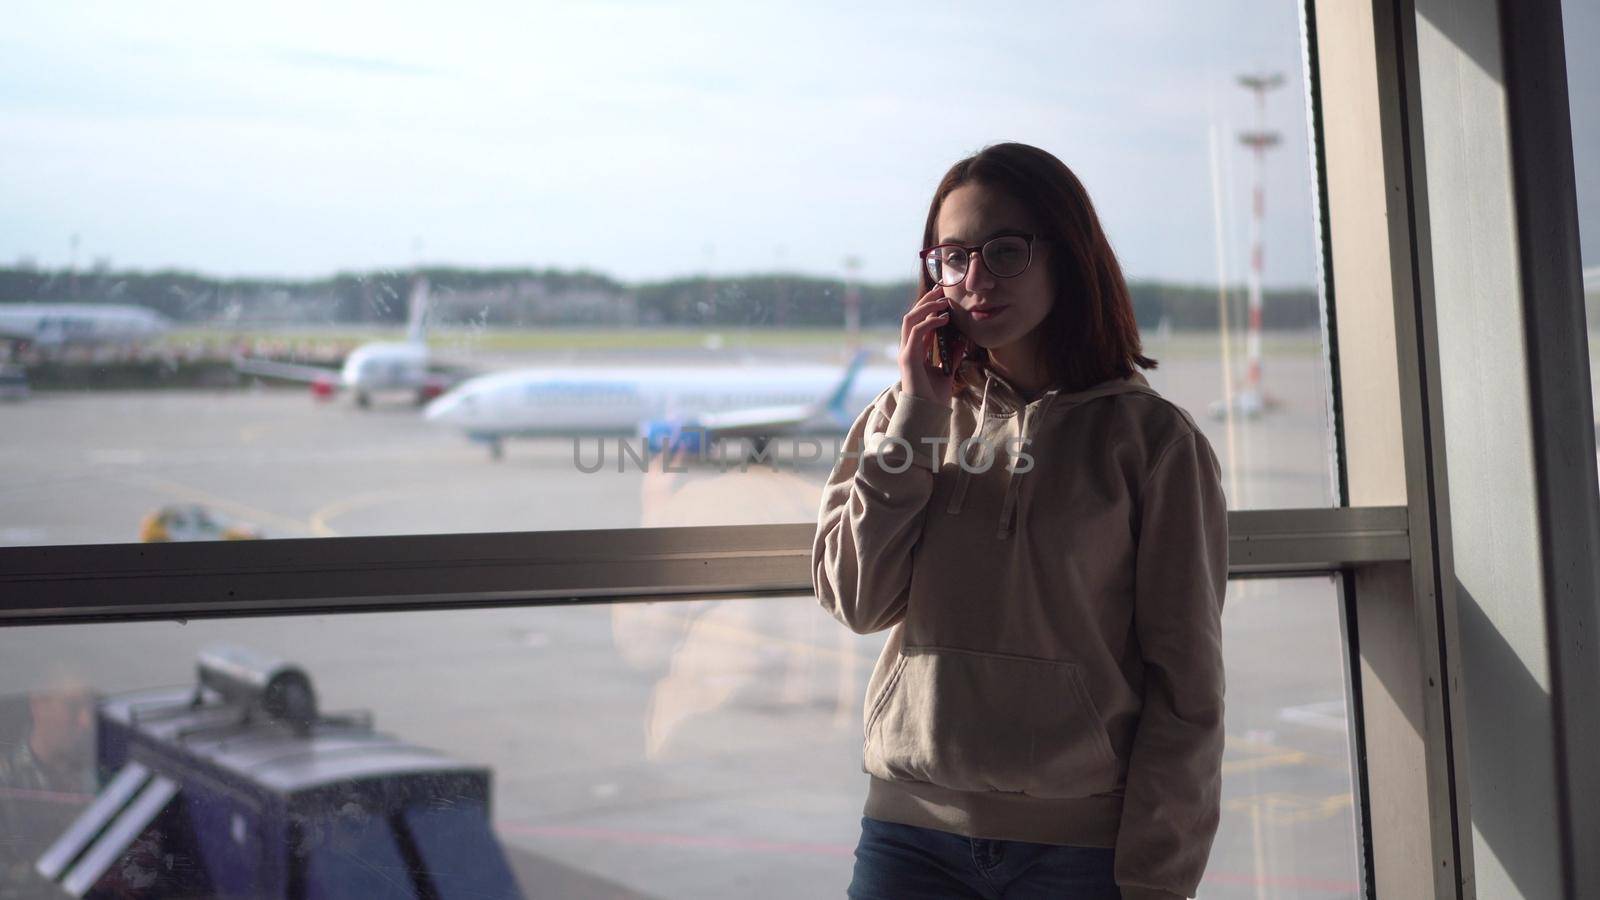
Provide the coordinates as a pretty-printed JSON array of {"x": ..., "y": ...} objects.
[{"x": 1089, "y": 335}]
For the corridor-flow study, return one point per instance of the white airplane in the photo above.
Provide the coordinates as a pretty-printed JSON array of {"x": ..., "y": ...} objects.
[
  {"x": 371, "y": 367},
  {"x": 663, "y": 405},
  {"x": 60, "y": 324}
]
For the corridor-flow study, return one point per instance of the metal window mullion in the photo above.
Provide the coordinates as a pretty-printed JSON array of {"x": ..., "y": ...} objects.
[
  {"x": 309, "y": 575},
  {"x": 1427, "y": 488}
]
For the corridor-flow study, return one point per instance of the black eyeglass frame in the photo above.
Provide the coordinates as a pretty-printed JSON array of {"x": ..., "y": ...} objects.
[{"x": 969, "y": 248}]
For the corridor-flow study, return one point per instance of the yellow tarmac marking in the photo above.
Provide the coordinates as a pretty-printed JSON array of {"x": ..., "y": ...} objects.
[
  {"x": 253, "y": 514},
  {"x": 1292, "y": 758},
  {"x": 1283, "y": 808},
  {"x": 319, "y": 518},
  {"x": 1271, "y": 756}
]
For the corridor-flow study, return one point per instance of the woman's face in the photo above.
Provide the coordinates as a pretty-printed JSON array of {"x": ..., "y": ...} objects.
[{"x": 971, "y": 214}]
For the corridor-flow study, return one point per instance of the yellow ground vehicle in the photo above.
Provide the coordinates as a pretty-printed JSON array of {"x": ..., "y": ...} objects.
[{"x": 192, "y": 522}]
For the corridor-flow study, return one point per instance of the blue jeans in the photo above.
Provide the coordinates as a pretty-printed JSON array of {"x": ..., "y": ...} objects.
[{"x": 907, "y": 862}]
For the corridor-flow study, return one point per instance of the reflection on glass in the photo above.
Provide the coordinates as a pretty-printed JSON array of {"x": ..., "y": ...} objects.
[
  {"x": 688, "y": 749},
  {"x": 274, "y": 281},
  {"x": 47, "y": 771}
]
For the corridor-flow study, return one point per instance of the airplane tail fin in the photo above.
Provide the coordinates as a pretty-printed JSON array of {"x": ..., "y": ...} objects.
[
  {"x": 834, "y": 403},
  {"x": 417, "y": 321}
]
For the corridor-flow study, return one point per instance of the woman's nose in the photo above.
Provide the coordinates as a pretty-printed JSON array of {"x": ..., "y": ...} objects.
[{"x": 978, "y": 277}]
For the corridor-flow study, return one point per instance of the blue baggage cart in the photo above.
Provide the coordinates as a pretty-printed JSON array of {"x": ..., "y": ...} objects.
[{"x": 239, "y": 787}]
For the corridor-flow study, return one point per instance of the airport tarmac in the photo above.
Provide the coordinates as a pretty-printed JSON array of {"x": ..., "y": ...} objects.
[
  {"x": 85, "y": 467},
  {"x": 685, "y": 749}
]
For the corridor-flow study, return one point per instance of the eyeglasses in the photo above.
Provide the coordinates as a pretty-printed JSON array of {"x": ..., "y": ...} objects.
[{"x": 1006, "y": 256}]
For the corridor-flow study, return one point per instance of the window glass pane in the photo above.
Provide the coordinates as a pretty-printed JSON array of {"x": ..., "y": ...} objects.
[
  {"x": 1581, "y": 29},
  {"x": 221, "y": 225},
  {"x": 686, "y": 749}
]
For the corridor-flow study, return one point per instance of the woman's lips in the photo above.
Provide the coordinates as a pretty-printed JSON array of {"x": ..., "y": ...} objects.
[{"x": 987, "y": 312}]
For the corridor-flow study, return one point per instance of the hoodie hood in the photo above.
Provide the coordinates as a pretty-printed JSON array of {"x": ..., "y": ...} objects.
[{"x": 1006, "y": 418}]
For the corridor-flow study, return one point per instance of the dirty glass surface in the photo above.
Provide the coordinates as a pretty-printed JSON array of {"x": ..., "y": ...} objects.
[
  {"x": 690, "y": 749},
  {"x": 316, "y": 272}
]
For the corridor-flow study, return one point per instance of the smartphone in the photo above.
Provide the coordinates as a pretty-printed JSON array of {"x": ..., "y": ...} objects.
[{"x": 945, "y": 339}]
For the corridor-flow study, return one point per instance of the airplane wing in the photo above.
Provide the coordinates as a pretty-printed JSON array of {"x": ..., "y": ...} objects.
[
  {"x": 771, "y": 421},
  {"x": 267, "y": 368},
  {"x": 764, "y": 421}
]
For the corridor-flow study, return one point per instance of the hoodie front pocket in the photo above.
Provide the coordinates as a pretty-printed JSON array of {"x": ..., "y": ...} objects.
[
  {"x": 974, "y": 721},
  {"x": 883, "y": 696}
]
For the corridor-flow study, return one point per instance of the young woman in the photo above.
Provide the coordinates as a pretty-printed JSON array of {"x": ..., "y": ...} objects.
[{"x": 1047, "y": 538}]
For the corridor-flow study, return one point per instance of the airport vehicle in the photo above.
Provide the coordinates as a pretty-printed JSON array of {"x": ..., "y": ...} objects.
[
  {"x": 192, "y": 522},
  {"x": 53, "y": 325},
  {"x": 372, "y": 367},
  {"x": 239, "y": 786},
  {"x": 665, "y": 405}
]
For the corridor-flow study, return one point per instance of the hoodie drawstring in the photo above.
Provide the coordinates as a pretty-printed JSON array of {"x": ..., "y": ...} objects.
[
  {"x": 956, "y": 498},
  {"x": 1008, "y": 510}
]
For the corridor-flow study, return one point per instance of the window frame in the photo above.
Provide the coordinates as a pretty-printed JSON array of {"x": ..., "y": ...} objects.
[
  {"x": 1390, "y": 551},
  {"x": 296, "y": 576}
]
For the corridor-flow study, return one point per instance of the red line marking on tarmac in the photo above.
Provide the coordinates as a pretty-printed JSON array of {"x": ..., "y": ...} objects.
[
  {"x": 661, "y": 838},
  {"x": 668, "y": 839},
  {"x": 66, "y": 798}
]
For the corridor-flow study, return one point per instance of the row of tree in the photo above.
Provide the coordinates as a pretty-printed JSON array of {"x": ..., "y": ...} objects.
[{"x": 529, "y": 297}]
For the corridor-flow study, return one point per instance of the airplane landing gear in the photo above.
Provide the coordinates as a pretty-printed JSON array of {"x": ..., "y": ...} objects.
[
  {"x": 363, "y": 400},
  {"x": 497, "y": 450}
]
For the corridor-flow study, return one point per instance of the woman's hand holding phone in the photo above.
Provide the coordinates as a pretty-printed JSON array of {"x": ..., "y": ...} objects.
[{"x": 920, "y": 376}]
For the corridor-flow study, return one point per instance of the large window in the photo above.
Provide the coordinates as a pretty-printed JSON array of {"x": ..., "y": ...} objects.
[
  {"x": 318, "y": 274},
  {"x": 389, "y": 280},
  {"x": 692, "y": 749},
  {"x": 632, "y": 218}
]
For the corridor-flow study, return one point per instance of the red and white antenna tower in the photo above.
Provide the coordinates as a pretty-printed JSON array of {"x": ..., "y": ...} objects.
[{"x": 1251, "y": 400}]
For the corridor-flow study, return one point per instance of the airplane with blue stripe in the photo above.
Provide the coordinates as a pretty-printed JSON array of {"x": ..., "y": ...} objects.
[{"x": 686, "y": 406}]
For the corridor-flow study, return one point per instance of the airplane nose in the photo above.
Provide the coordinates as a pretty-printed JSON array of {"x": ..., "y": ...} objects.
[{"x": 441, "y": 409}]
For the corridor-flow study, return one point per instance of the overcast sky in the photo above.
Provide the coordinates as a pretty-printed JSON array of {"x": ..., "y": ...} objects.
[{"x": 640, "y": 139}]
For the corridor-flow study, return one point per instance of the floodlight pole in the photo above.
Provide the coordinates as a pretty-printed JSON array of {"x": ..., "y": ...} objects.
[{"x": 1251, "y": 400}]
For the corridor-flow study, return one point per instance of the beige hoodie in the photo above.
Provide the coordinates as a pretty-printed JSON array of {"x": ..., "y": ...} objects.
[{"x": 1055, "y": 670}]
